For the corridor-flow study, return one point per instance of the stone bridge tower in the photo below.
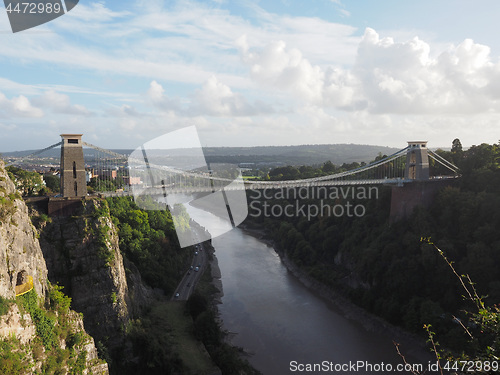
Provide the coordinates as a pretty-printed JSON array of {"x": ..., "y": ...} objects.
[
  {"x": 73, "y": 179},
  {"x": 417, "y": 161},
  {"x": 421, "y": 191}
]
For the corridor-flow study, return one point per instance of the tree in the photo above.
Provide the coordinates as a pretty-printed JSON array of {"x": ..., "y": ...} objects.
[
  {"x": 52, "y": 182},
  {"x": 456, "y": 146},
  {"x": 196, "y": 304},
  {"x": 328, "y": 167},
  {"x": 28, "y": 183},
  {"x": 284, "y": 173},
  {"x": 457, "y": 153}
]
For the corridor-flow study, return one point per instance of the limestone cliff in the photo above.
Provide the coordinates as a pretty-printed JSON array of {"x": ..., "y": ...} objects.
[
  {"x": 20, "y": 253},
  {"x": 82, "y": 253},
  {"x": 18, "y": 330},
  {"x": 35, "y": 336}
]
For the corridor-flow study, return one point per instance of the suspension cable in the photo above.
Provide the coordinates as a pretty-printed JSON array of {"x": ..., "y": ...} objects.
[
  {"x": 443, "y": 164},
  {"x": 36, "y": 153},
  {"x": 443, "y": 160}
]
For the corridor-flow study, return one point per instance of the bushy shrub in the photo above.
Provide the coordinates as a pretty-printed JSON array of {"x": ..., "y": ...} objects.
[
  {"x": 4, "y": 305},
  {"x": 44, "y": 323},
  {"x": 58, "y": 299}
]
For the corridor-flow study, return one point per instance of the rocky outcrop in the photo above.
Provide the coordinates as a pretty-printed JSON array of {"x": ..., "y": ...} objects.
[
  {"x": 140, "y": 295},
  {"x": 13, "y": 323},
  {"x": 20, "y": 252},
  {"x": 95, "y": 367},
  {"x": 83, "y": 255},
  {"x": 20, "y": 328}
]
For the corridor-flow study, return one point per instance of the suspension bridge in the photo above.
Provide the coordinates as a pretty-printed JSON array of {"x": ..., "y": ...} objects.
[{"x": 161, "y": 173}]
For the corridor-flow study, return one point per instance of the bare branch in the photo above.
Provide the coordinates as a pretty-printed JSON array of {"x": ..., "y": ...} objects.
[
  {"x": 396, "y": 344},
  {"x": 463, "y": 326}
]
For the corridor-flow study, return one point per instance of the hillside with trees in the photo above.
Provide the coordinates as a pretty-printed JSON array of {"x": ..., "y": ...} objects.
[{"x": 385, "y": 267}]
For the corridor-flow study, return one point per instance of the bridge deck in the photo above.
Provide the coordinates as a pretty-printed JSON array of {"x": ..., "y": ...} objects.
[{"x": 160, "y": 191}]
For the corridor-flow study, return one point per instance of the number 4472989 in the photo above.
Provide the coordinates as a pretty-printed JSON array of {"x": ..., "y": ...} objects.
[
  {"x": 471, "y": 366},
  {"x": 34, "y": 8}
]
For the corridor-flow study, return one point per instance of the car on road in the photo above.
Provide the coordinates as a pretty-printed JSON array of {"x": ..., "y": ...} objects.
[
  {"x": 176, "y": 295},
  {"x": 195, "y": 253},
  {"x": 197, "y": 269}
]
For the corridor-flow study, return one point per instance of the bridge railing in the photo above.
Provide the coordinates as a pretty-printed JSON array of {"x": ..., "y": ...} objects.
[{"x": 25, "y": 287}]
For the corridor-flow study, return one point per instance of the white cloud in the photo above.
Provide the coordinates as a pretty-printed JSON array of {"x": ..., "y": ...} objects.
[
  {"x": 287, "y": 69},
  {"x": 156, "y": 91},
  {"x": 94, "y": 12},
  {"x": 128, "y": 124},
  {"x": 387, "y": 77},
  {"x": 286, "y": 80},
  {"x": 214, "y": 98},
  {"x": 160, "y": 100},
  {"x": 60, "y": 103},
  {"x": 284, "y": 69},
  {"x": 217, "y": 99},
  {"x": 19, "y": 106},
  {"x": 9, "y": 85},
  {"x": 403, "y": 78},
  {"x": 125, "y": 111},
  {"x": 157, "y": 41},
  {"x": 341, "y": 8}
]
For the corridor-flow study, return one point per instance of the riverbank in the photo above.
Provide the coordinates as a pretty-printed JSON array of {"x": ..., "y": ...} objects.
[
  {"x": 412, "y": 346},
  {"x": 216, "y": 277}
]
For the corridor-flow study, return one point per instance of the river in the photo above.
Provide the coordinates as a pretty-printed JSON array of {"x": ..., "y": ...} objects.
[{"x": 281, "y": 323}]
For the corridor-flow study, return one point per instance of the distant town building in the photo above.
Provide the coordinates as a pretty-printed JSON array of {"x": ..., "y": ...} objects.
[
  {"x": 88, "y": 176},
  {"x": 108, "y": 174},
  {"x": 132, "y": 180}
]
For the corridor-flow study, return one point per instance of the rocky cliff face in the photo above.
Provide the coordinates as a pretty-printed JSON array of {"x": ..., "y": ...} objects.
[
  {"x": 83, "y": 254},
  {"x": 18, "y": 327},
  {"x": 21, "y": 259},
  {"x": 20, "y": 253}
]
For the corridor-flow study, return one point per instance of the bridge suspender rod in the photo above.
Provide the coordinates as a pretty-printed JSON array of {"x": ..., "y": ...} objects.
[
  {"x": 99, "y": 170},
  {"x": 366, "y": 167},
  {"x": 360, "y": 169}
]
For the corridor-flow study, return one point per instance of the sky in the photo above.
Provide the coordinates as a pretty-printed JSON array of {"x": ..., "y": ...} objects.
[{"x": 250, "y": 72}]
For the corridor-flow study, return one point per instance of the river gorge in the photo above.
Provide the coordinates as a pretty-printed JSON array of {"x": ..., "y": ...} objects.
[{"x": 281, "y": 324}]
